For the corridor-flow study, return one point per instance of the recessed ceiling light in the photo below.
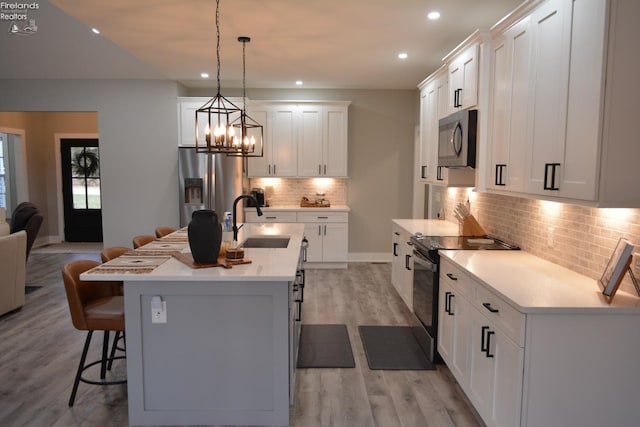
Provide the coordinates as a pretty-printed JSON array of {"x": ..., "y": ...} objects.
[
  {"x": 95, "y": 31},
  {"x": 204, "y": 75},
  {"x": 403, "y": 55},
  {"x": 299, "y": 82},
  {"x": 433, "y": 15}
]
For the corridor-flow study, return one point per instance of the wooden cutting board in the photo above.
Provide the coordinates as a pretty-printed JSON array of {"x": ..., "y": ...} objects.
[{"x": 187, "y": 259}]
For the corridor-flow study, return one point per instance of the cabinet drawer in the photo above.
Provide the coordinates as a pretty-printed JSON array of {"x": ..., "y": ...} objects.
[
  {"x": 270, "y": 217},
  {"x": 459, "y": 281},
  {"x": 323, "y": 217},
  {"x": 503, "y": 315}
]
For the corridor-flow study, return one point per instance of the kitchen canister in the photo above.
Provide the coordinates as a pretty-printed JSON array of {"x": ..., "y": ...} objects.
[{"x": 205, "y": 236}]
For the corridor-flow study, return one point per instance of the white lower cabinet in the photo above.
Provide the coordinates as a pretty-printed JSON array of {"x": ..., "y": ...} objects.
[
  {"x": 477, "y": 334},
  {"x": 327, "y": 232},
  {"x": 402, "y": 264},
  {"x": 453, "y": 331},
  {"x": 328, "y": 236},
  {"x": 495, "y": 372}
]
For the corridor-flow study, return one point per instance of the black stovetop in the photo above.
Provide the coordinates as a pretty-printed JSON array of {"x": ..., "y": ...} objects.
[{"x": 431, "y": 243}]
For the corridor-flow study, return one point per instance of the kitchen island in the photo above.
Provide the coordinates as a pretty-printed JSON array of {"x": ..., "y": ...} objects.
[{"x": 222, "y": 349}]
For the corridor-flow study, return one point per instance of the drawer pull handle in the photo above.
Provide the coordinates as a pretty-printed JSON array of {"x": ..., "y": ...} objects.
[
  {"x": 484, "y": 345},
  {"x": 323, "y": 217},
  {"x": 406, "y": 262},
  {"x": 271, "y": 217},
  {"x": 487, "y": 305},
  {"x": 489, "y": 334},
  {"x": 395, "y": 249},
  {"x": 452, "y": 277},
  {"x": 447, "y": 303}
]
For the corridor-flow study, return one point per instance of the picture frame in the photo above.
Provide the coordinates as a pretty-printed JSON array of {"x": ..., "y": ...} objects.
[{"x": 616, "y": 268}]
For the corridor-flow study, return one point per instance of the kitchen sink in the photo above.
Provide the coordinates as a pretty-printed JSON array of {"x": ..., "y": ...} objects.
[{"x": 266, "y": 242}]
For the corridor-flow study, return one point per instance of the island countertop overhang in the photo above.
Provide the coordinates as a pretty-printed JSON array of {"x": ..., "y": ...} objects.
[{"x": 267, "y": 264}]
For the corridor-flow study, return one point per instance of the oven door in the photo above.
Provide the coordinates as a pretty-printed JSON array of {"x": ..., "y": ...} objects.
[{"x": 425, "y": 298}]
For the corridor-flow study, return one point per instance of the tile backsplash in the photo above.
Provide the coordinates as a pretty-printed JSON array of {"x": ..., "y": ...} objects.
[
  {"x": 289, "y": 192},
  {"x": 583, "y": 237}
]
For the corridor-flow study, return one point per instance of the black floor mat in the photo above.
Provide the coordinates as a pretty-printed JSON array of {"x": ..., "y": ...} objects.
[
  {"x": 325, "y": 346},
  {"x": 393, "y": 348}
]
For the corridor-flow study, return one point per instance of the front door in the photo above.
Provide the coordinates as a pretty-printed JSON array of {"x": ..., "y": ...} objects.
[{"x": 81, "y": 190}]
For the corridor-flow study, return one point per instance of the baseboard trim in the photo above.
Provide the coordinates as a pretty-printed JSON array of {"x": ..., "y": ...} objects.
[{"x": 369, "y": 257}]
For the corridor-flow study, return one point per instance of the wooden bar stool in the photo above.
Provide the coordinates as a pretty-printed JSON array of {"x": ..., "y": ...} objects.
[{"x": 94, "y": 306}]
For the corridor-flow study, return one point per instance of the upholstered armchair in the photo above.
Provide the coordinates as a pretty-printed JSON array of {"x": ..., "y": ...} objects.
[
  {"x": 4, "y": 227},
  {"x": 27, "y": 217},
  {"x": 13, "y": 248}
]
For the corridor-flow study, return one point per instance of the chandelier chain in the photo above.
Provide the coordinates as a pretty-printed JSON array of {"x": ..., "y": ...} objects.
[{"x": 218, "y": 40}]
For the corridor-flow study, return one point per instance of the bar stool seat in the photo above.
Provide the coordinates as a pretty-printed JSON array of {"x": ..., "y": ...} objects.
[{"x": 94, "y": 306}]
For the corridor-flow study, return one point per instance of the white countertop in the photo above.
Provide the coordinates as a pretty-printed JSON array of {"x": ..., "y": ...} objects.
[
  {"x": 267, "y": 264},
  {"x": 428, "y": 227},
  {"x": 534, "y": 285},
  {"x": 294, "y": 208}
]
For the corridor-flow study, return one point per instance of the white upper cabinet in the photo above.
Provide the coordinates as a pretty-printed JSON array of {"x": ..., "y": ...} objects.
[
  {"x": 429, "y": 131},
  {"x": 557, "y": 131},
  {"x": 508, "y": 115},
  {"x": 279, "y": 140},
  {"x": 463, "y": 79},
  {"x": 322, "y": 142},
  {"x": 551, "y": 37},
  {"x": 187, "y": 120},
  {"x": 305, "y": 139}
]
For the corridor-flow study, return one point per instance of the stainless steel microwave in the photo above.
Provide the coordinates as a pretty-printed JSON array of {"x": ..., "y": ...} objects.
[{"x": 457, "y": 140}]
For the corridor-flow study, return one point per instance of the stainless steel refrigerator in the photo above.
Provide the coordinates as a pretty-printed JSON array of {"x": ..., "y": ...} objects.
[{"x": 208, "y": 181}]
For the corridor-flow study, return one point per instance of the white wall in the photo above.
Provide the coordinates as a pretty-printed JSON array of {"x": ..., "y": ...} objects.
[{"x": 137, "y": 124}]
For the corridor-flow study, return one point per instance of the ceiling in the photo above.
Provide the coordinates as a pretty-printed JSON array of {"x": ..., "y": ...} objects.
[{"x": 340, "y": 44}]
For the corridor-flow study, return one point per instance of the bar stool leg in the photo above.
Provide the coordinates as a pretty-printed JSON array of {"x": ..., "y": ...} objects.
[
  {"x": 76, "y": 382},
  {"x": 114, "y": 347},
  {"x": 105, "y": 350}
]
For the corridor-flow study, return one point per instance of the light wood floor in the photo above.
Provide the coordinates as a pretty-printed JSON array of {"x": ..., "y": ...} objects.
[{"x": 39, "y": 352}]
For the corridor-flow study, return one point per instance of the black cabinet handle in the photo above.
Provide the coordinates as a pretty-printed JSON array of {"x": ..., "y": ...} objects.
[
  {"x": 406, "y": 262},
  {"x": 325, "y": 169},
  {"x": 423, "y": 172},
  {"x": 447, "y": 302},
  {"x": 299, "y": 315},
  {"x": 489, "y": 334},
  {"x": 319, "y": 170},
  {"x": 396, "y": 233},
  {"x": 500, "y": 174},
  {"x": 487, "y": 305},
  {"x": 452, "y": 277},
  {"x": 550, "y": 176},
  {"x": 456, "y": 98},
  {"x": 439, "y": 174},
  {"x": 484, "y": 347},
  {"x": 395, "y": 247}
]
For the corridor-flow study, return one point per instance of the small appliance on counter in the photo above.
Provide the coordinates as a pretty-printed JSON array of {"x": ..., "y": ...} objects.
[{"x": 258, "y": 194}]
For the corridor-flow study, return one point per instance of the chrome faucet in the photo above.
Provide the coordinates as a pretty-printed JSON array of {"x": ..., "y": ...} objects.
[{"x": 235, "y": 203}]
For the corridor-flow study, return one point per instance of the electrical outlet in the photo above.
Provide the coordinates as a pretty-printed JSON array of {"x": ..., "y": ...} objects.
[
  {"x": 550, "y": 237},
  {"x": 158, "y": 310}
]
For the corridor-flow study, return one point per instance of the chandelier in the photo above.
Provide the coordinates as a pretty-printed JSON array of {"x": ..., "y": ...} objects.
[
  {"x": 218, "y": 113},
  {"x": 251, "y": 132}
]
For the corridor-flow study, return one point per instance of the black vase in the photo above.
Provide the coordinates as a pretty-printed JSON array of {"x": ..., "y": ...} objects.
[{"x": 205, "y": 236}]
